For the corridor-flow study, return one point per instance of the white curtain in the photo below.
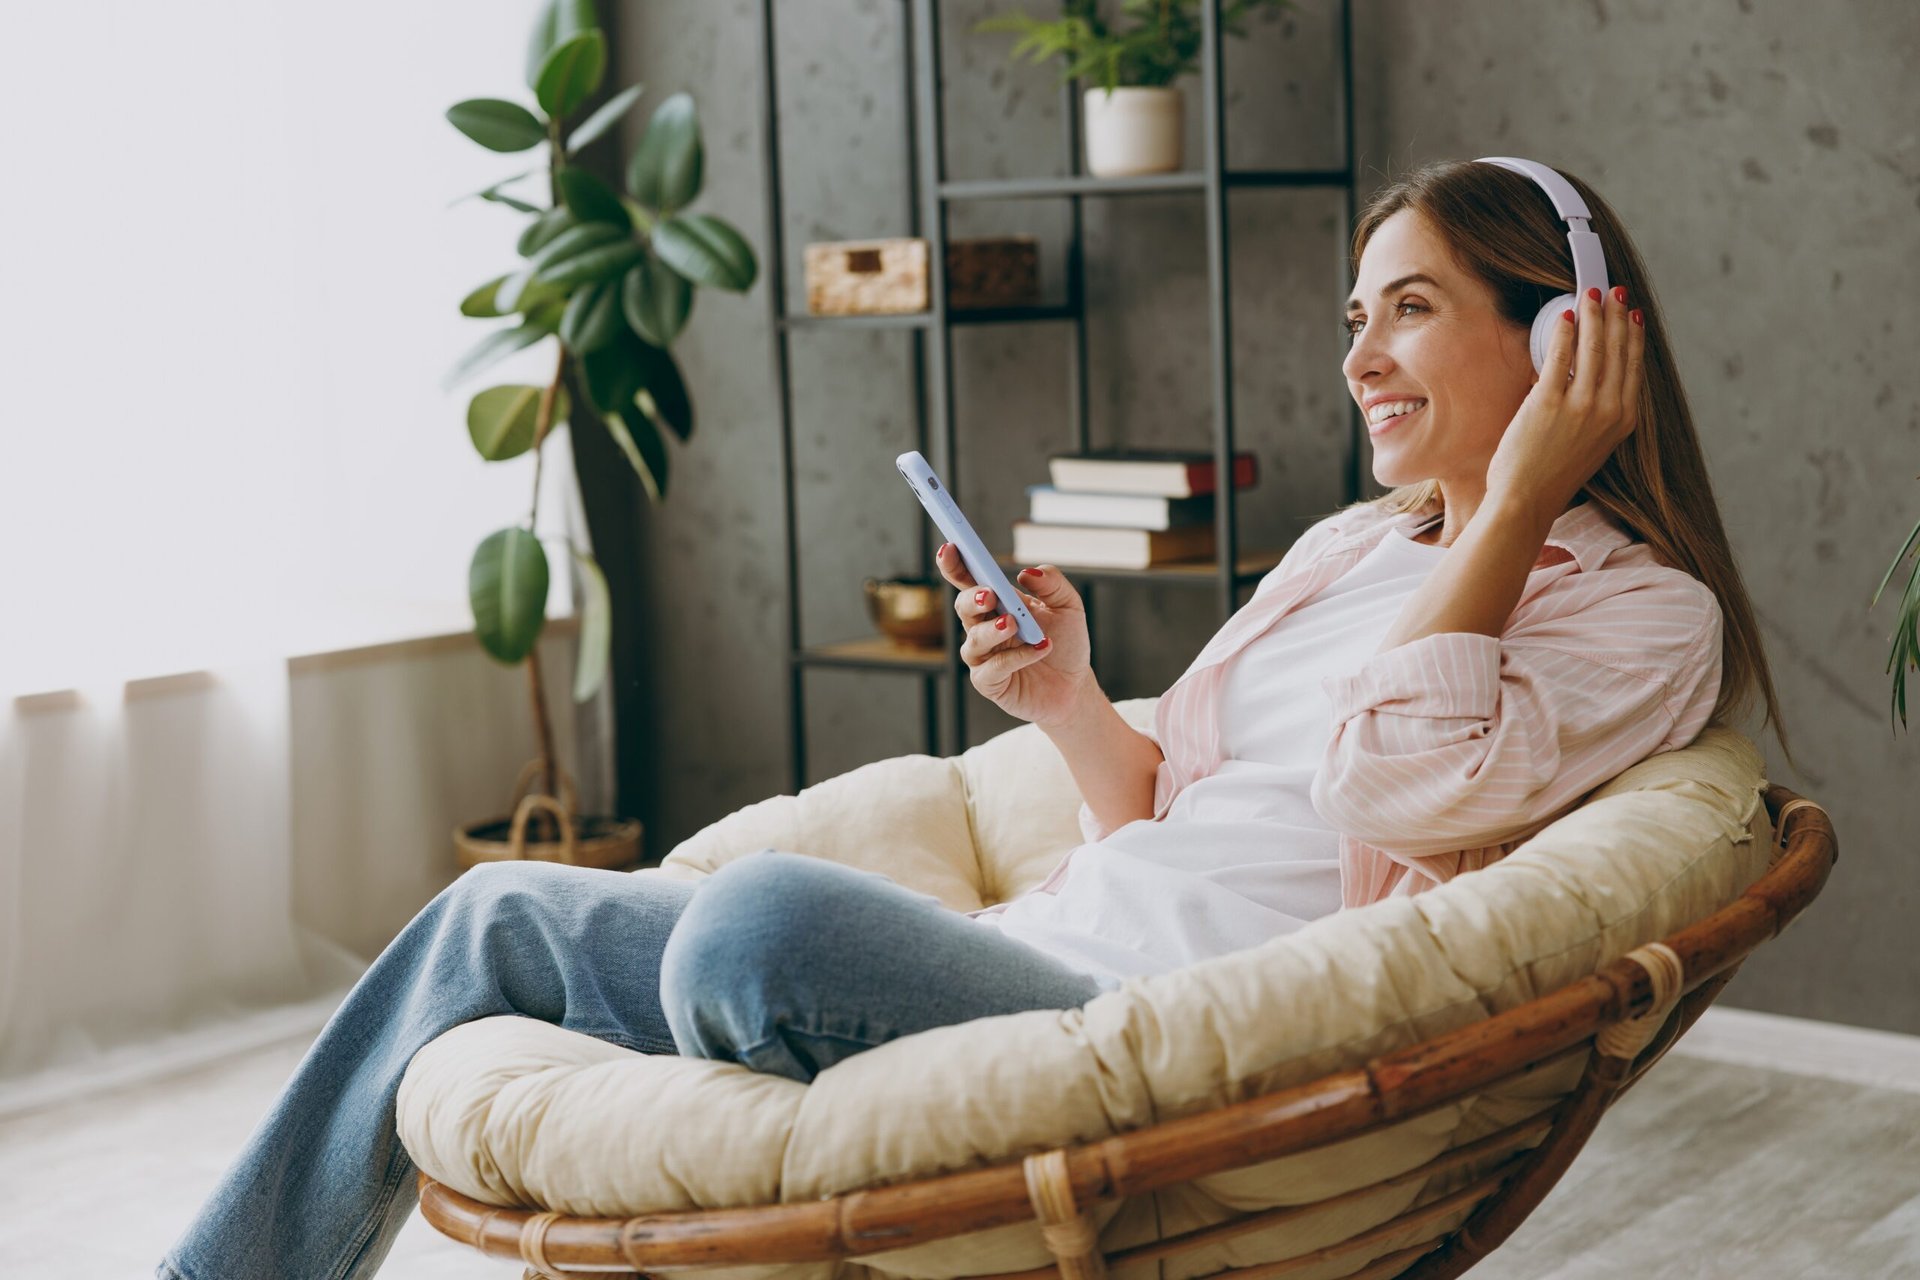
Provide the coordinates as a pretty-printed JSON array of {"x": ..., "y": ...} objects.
[
  {"x": 144, "y": 883},
  {"x": 236, "y": 257}
]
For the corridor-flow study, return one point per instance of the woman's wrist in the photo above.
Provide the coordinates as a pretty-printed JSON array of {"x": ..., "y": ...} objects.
[
  {"x": 1085, "y": 711},
  {"x": 1535, "y": 519}
]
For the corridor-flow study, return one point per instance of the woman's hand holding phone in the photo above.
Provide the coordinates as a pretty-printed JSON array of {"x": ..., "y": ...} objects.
[{"x": 1041, "y": 683}]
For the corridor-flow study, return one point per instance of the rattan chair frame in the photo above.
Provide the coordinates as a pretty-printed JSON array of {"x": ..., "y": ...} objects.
[{"x": 1627, "y": 1013}]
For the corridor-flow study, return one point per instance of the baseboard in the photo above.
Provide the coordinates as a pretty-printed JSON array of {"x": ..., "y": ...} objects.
[{"x": 1804, "y": 1046}]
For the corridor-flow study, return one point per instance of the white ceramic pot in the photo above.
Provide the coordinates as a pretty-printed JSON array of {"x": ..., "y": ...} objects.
[{"x": 1132, "y": 130}]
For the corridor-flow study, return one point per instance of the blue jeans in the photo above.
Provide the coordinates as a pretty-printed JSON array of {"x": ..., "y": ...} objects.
[{"x": 782, "y": 962}]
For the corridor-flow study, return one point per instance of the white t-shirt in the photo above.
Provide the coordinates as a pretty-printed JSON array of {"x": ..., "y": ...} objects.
[{"x": 1241, "y": 856}]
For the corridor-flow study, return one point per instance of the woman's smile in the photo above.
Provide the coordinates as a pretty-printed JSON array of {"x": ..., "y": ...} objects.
[{"x": 1377, "y": 429}]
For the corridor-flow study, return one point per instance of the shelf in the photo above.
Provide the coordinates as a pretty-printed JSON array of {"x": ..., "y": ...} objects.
[
  {"x": 1144, "y": 184},
  {"x": 1252, "y": 566},
  {"x": 924, "y": 319},
  {"x": 872, "y": 651}
]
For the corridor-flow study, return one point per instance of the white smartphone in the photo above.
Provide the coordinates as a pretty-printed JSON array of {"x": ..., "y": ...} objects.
[{"x": 980, "y": 562}]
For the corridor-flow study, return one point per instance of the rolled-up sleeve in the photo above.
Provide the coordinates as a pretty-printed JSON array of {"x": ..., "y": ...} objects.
[{"x": 1459, "y": 740}]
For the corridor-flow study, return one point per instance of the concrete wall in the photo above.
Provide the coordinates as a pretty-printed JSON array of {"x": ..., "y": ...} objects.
[{"x": 1764, "y": 156}]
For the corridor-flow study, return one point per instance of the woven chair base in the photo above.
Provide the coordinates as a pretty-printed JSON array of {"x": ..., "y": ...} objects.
[{"x": 1622, "y": 1018}]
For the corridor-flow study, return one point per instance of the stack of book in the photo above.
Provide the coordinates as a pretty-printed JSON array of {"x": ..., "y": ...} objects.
[{"x": 1124, "y": 509}]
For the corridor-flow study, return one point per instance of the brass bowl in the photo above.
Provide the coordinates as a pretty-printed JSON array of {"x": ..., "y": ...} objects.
[{"x": 910, "y": 611}]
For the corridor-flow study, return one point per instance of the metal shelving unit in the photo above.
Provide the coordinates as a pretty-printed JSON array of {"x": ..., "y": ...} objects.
[{"x": 932, "y": 348}]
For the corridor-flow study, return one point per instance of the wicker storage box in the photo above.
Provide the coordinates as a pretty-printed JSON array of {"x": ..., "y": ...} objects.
[
  {"x": 1003, "y": 271},
  {"x": 889, "y": 277}
]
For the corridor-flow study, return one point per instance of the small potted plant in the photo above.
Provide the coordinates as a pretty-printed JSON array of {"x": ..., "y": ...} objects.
[
  {"x": 609, "y": 277},
  {"x": 1133, "y": 117}
]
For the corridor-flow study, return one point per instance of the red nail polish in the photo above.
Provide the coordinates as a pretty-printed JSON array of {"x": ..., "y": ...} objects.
[
  {"x": 1043, "y": 644},
  {"x": 1000, "y": 623},
  {"x": 1594, "y": 294},
  {"x": 1568, "y": 315},
  {"x": 1620, "y": 293},
  {"x": 980, "y": 597},
  {"x": 1637, "y": 317}
]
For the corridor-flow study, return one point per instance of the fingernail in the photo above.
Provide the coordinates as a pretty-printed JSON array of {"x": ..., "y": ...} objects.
[
  {"x": 1043, "y": 644},
  {"x": 1568, "y": 315},
  {"x": 1637, "y": 317},
  {"x": 980, "y": 598},
  {"x": 1594, "y": 294},
  {"x": 1000, "y": 623},
  {"x": 1620, "y": 293}
]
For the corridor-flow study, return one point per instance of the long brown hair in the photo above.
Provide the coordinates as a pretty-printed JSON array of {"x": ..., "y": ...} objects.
[{"x": 1501, "y": 228}]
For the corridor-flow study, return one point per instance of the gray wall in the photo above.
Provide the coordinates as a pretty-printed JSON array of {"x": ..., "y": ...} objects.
[{"x": 1763, "y": 154}]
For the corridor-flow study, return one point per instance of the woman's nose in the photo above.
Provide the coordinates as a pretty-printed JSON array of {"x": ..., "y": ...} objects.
[{"x": 1366, "y": 355}]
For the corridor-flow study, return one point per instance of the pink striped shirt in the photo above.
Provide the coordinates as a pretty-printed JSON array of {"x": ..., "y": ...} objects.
[{"x": 1450, "y": 751}]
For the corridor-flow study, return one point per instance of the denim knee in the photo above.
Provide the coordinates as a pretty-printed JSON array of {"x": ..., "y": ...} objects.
[
  {"x": 720, "y": 975},
  {"x": 497, "y": 924}
]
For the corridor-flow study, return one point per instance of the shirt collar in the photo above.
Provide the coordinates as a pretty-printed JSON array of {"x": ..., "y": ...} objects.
[{"x": 1586, "y": 532}]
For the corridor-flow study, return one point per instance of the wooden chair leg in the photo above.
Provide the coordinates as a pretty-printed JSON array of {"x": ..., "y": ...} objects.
[{"x": 1068, "y": 1230}]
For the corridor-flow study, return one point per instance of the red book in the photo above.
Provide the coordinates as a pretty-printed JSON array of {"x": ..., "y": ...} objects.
[{"x": 1169, "y": 473}]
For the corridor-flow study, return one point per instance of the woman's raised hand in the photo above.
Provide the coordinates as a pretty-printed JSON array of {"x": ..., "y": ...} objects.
[
  {"x": 1041, "y": 683},
  {"x": 1570, "y": 423}
]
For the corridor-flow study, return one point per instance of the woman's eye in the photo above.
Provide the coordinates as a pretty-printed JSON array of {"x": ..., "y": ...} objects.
[{"x": 1352, "y": 323}]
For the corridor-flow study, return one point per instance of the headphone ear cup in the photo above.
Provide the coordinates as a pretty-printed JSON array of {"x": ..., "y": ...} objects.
[{"x": 1540, "y": 338}]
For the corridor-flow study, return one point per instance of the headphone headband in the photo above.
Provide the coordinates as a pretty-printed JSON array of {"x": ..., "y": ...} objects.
[{"x": 1589, "y": 263}]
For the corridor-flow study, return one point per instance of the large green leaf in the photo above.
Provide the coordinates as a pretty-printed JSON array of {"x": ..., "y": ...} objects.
[
  {"x": 559, "y": 21},
  {"x": 639, "y": 440},
  {"x": 481, "y": 303},
  {"x": 604, "y": 262},
  {"x": 496, "y": 124},
  {"x": 545, "y": 315},
  {"x": 662, "y": 393},
  {"x": 657, "y": 300},
  {"x": 592, "y": 317},
  {"x": 501, "y": 420},
  {"x": 604, "y": 118},
  {"x": 590, "y": 199},
  {"x": 706, "y": 251},
  {"x": 664, "y": 174},
  {"x": 507, "y": 587},
  {"x": 571, "y": 73},
  {"x": 495, "y": 346},
  {"x": 613, "y": 374},
  {"x": 575, "y": 240},
  {"x": 543, "y": 229},
  {"x": 596, "y": 628}
]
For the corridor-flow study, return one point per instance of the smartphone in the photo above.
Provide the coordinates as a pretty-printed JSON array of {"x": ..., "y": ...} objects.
[{"x": 980, "y": 562}]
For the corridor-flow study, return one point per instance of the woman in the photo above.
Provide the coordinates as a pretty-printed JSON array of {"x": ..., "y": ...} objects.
[{"x": 1421, "y": 682}]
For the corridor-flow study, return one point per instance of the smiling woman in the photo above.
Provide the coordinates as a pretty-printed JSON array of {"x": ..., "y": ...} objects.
[{"x": 1452, "y": 263}]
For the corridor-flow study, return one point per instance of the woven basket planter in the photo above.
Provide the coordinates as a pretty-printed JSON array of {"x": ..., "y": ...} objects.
[{"x": 609, "y": 844}]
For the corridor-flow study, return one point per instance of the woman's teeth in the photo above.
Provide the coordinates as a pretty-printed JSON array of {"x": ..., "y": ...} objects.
[{"x": 1390, "y": 410}]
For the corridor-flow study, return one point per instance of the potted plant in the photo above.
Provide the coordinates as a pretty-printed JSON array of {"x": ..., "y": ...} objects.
[
  {"x": 1133, "y": 119},
  {"x": 609, "y": 277},
  {"x": 1906, "y": 628}
]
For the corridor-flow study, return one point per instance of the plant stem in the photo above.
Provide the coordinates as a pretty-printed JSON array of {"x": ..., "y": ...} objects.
[
  {"x": 543, "y": 423},
  {"x": 543, "y": 729},
  {"x": 542, "y": 726}
]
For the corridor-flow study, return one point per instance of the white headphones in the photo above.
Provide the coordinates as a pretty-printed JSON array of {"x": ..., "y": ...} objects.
[{"x": 1589, "y": 264}]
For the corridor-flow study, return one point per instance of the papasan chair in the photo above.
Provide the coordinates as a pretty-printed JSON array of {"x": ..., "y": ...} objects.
[{"x": 1386, "y": 1092}]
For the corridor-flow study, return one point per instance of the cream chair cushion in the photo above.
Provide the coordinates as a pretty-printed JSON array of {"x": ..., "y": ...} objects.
[{"x": 514, "y": 1111}]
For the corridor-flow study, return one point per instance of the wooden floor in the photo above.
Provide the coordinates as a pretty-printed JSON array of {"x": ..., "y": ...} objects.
[{"x": 1706, "y": 1169}]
